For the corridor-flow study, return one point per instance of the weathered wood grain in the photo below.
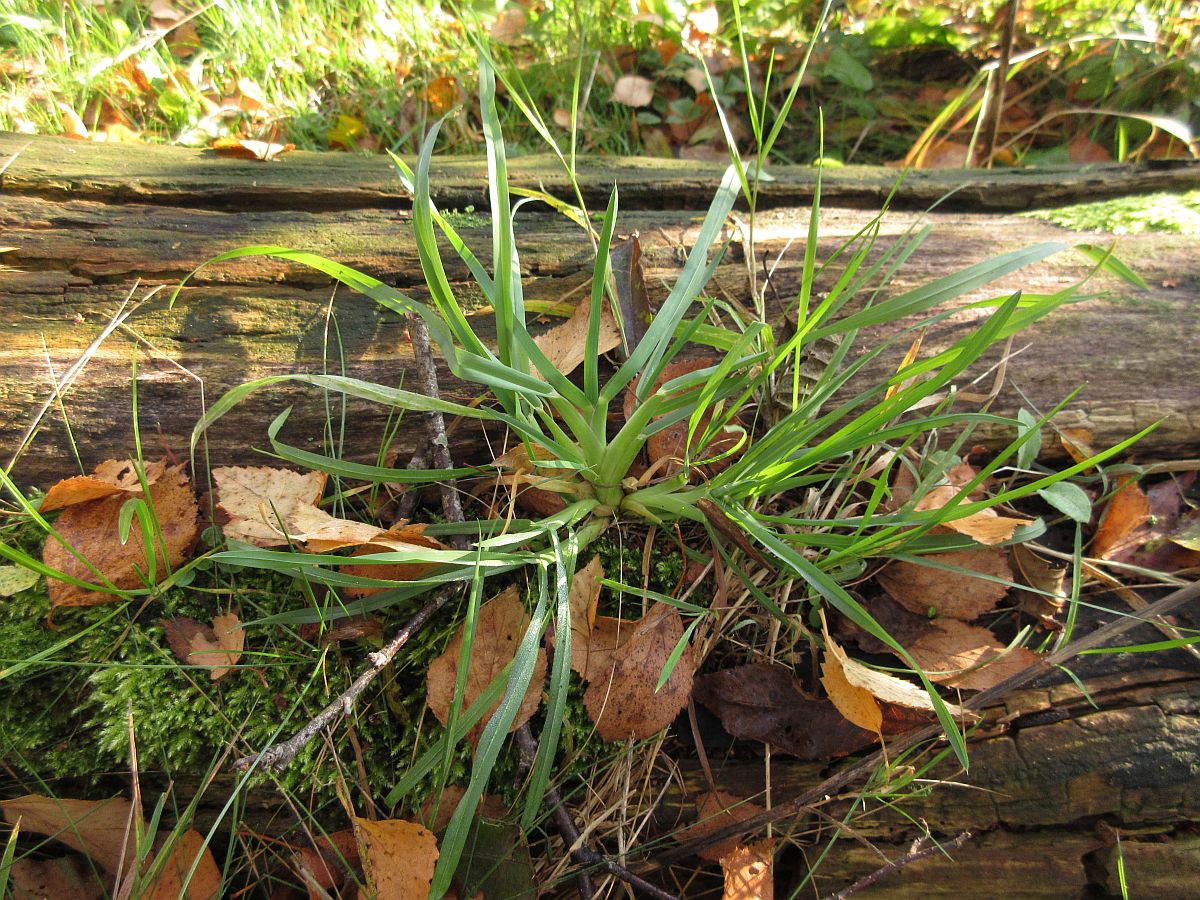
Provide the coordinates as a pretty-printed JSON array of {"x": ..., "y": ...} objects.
[{"x": 59, "y": 169}]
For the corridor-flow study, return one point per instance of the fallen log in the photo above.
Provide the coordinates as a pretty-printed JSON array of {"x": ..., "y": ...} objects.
[
  {"x": 1055, "y": 775},
  {"x": 76, "y": 260}
]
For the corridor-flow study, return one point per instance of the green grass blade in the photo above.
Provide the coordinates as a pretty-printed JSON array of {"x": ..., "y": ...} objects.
[{"x": 488, "y": 752}]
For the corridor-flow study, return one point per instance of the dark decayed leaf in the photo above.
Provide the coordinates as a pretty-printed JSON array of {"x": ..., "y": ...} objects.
[
  {"x": 632, "y": 302},
  {"x": 763, "y": 702}
]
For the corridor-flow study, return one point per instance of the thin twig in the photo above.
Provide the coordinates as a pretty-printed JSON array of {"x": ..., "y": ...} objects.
[
  {"x": 917, "y": 852},
  {"x": 580, "y": 852},
  {"x": 427, "y": 384},
  {"x": 866, "y": 766},
  {"x": 278, "y": 756}
]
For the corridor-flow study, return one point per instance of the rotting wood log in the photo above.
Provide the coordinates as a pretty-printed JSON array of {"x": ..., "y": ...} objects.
[
  {"x": 89, "y": 232},
  {"x": 1055, "y": 775}
]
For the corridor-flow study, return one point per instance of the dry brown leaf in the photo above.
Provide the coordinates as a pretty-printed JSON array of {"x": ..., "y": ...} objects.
[
  {"x": 186, "y": 850},
  {"x": 103, "y": 830},
  {"x": 330, "y": 862},
  {"x": 951, "y": 647},
  {"x": 874, "y": 700},
  {"x": 110, "y": 477},
  {"x": 1127, "y": 511},
  {"x": 509, "y": 25},
  {"x": 668, "y": 446},
  {"x": 986, "y": 526},
  {"x": 91, "y": 528},
  {"x": 750, "y": 871},
  {"x": 240, "y": 148},
  {"x": 501, "y": 624},
  {"x": 269, "y": 507},
  {"x": 622, "y": 701},
  {"x": 1044, "y": 576},
  {"x": 594, "y": 638},
  {"x": 398, "y": 857},
  {"x": 66, "y": 876},
  {"x": 716, "y": 810},
  {"x": 564, "y": 344},
  {"x": 633, "y": 90},
  {"x": 219, "y": 646},
  {"x": 958, "y": 595},
  {"x": 764, "y": 702},
  {"x": 261, "y": 501}
]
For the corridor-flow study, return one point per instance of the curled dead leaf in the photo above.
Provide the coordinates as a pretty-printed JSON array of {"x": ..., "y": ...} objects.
[
  {"x": 218, "y": 646},
  {"x": 750, "y": 871},
  {"x": 764, "y": 702},
  {"x": 876, "y": 701},
  {"x": 967, "y": 657},
  {"x": 716, "y": 810},
  {"x": 241, "y": 148}
]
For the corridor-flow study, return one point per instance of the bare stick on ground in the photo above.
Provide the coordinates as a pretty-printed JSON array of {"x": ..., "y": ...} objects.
[
  {"x": 917, "y": 852},
  {"x": 278, "y": 756},
  {"x": 570, "y": 833},
  {"x": 427, "y": 384}
]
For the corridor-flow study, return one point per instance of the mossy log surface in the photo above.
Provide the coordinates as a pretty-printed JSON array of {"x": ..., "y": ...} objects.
[
  {"x": 57, "y": 168},
  {"x": 93, "y": 224}
]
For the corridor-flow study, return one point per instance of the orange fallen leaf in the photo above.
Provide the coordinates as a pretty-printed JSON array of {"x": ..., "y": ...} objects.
[
  {"x": 66, "y": 876},
  {"x": 218, "y": 646},
  {"x": 444, "y": 94},
  {"x": 622, "y": 701},
  {"x": 959, "y": 595},
  {"x": 501, "y": 625},
  {"x": 874, "y": 700},
  {"x": 240, "y": 148},
  {"x": 1127, "y": 511},
  {"x": 986, "y": 526},
  {"x": 72, "y": 124},
  {"x": 91, "y": 528},
  {"x": 406, "y": 537},
  {"x": 750, "y": 871},
  {"x": 398, "y": 856},
  {"x": 329, "y": 861},
  {"x": 1077, "y": 442},
  {"x": 716, "y": 810}
]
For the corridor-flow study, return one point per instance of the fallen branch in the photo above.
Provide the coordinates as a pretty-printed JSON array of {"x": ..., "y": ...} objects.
[
  {"x": 917, "y": 852},
  {"x": 866, "y": 766},
  {"x": 580, "y": 852},
  {"x": 427, "y": 384},
  {"x": 278, "y": 756}
]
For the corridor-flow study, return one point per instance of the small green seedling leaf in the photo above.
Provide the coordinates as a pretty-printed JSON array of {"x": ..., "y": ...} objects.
[{"x": 1069, "y": 499}]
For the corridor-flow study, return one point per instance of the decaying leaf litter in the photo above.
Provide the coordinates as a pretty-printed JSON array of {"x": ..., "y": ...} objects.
[{"x": 637, "y": 669}]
